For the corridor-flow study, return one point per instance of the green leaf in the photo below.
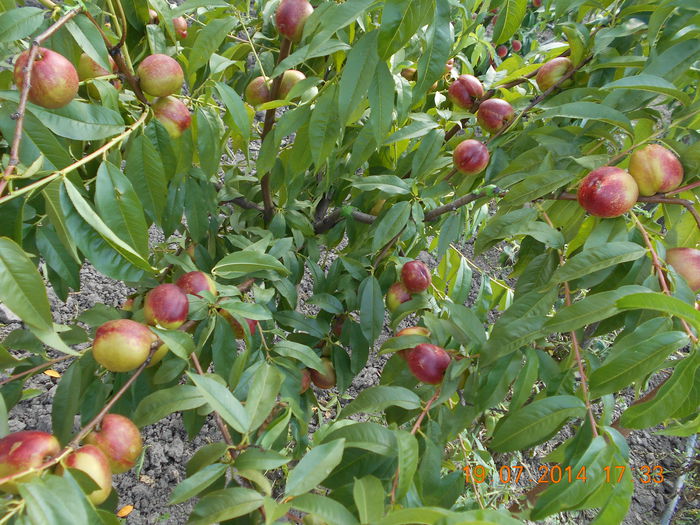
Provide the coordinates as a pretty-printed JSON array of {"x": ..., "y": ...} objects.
[
  {"x": 381, "y": 101},
  {"x": 241, "y": 263},
  {"x": 634, "y": 363},
  {"x": 94, "y": 220},
  {"x": 670, "y": 396},
  {"x": 145, "y": 170},
  {"x": 19, "y": 23},
  {"x": 390, "y": 224},
  {"x": 77, "y": 120},
  {"x": 593, "y": 259},
  {"x": 300, "y": 352},
  {"x": 88, "y": 38},
  {"x": 388, "y": 184},
  {"x": 429, "y": 515},
  {"x": 224, "y": 505},
  {"x": 372, "y": 437},
  {"x": 439, "y": 39},
  {"x": 645, "y": 82},
  {"x": 57, "y": 256},
  {"x": 408, "y": 456},
  {"x": 371, "y": 308},
  {"x": 369, "y": 495},
  {"x": 180, "y": 343},
  {"x": 314, "y": 467},
  {"x": 120, "y": 208},
  {"x": 354, "y": 81},
  {"x": 375, "y": 399},
  {"x": 662, "y": 303},
  {"x": 325, "y": 508},
  {"x": 235, "y": 106},
  {"x": 324, "y": 125},
  {"x": 262, "y": 394},
  {"x": 536, "y": 185},
  {"x": 589, "y": 111},
  {"x": 207, "y": 42},
  {"x": 162, "y": 403},
  {"x": 400, "y": 21},
  {"x": 56, "y": 500},
  {"x": 510, "y": 18},
  {"x": 593, "y": 308},
  {"x": 257, "y": 459},
  {"x": 197, "y": 483},
  {"x": 222, "y": 401},
  {"x": 22, "y": 290},
  {"x": 568, "y": 496},
  {"x": 535, "y": 423}
]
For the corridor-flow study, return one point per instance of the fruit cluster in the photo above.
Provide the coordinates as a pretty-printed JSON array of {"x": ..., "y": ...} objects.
[
  {"x": 113, "y": 448},
  {"x": 415, "y": 278},
  {"x": 54, "y": 81},
  {"x": 290, "y": 18}
]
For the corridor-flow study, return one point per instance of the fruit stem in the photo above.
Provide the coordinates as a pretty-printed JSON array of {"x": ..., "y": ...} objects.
[
  {"x": 659, "y": 270},
  {"x": 24, "y": 94}
]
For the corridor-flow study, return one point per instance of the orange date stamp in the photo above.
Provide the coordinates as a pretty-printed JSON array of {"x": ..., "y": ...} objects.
[{"x": 557, "y": 474}]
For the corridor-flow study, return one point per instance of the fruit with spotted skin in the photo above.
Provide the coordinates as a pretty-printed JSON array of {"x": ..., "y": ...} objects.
[
  {"x": 20, "y": 451},
  {"x": 428, "y": 362},
  {"x": 552, "y": 72},
  {"x": 686, "y": 261},
  {"x": 160, "y": 75},
  {"x": 54, "y": 80},
  {"x": 464, "y": 91},
  {"x": 173, "y": 114},
  {"x": 656, "y": 170},
  {"x": 471, "y": 156},
  {"x": 122, "y": 345},
  {"x": 120, "y": 441},
  {"x": 502, "y": 51},
  {"x": 397, "y": 295},
  {"x": 290, "y": 78},
  {"x": 258, "y": 91},
  {"x": 291, "y": 16},
  {"x": 608, "y": 192},
  {"x": 193, "y": 283},
  {"x": 325, "y": 379},
  {"x": 494, "y": 114},
  {"x": 166, "y": 305},
  {"x": 93, "y": 462},
  {"x": 415, "y": 276}
]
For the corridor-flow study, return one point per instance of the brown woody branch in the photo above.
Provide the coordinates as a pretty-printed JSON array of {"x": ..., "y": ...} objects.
[
  {"x": 36, "y": 369},
  {"x": 269, "y": 209},
  {"x": 24, "y": 94}
]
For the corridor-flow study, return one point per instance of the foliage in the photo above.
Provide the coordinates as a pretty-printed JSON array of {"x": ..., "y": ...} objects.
[{"x": 358, "y": 161}]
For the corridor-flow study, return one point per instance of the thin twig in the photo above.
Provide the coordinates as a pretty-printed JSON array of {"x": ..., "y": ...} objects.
[
  {"x": 660, "y": 271},
  {"x": 387, "y": 248},
  {"x": 36, "y": 369},
  {"x": 574, "y": 341},
  {"x": 24, "y": 94}
]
